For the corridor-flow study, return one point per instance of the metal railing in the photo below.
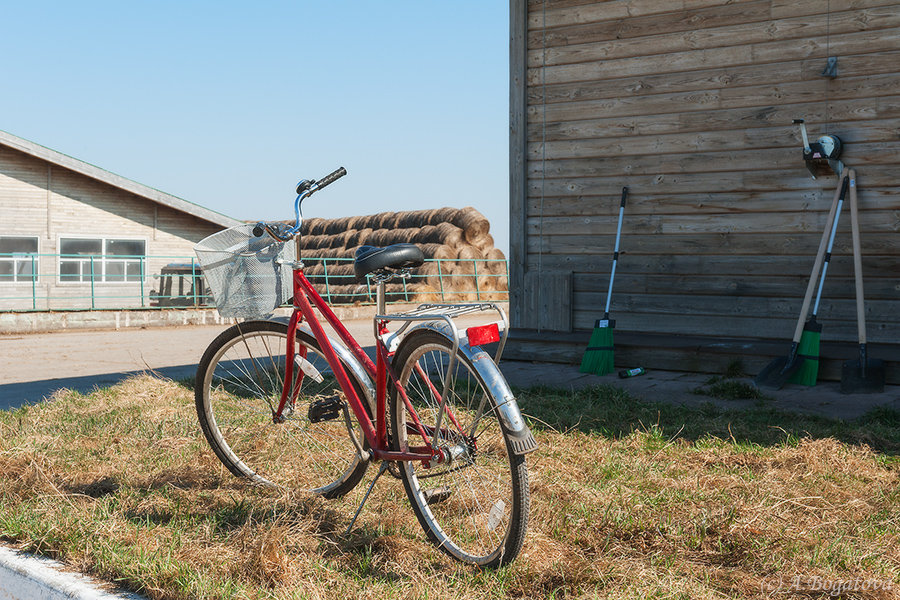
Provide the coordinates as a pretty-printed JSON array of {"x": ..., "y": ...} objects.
[{"x": 41, "y": 282}]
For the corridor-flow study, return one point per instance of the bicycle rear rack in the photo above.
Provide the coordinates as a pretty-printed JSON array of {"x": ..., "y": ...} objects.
[
  {"x": 438, "y": 312},
  {"x": 446, "y": 313}
]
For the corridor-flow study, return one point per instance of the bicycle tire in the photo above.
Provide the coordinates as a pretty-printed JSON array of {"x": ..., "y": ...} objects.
[
  {"x": 461, "y": 504},
  {"x": 238, "y": 387}
]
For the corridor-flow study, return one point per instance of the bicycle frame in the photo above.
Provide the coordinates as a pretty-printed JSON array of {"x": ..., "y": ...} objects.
[{"x": 305, "y": 297}]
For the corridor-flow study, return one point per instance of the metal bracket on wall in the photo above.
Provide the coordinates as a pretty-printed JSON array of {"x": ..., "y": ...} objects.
[{"x": 830, "y": 67}]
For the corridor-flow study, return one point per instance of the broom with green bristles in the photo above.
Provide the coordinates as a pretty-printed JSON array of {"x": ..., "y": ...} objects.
[
  {"x": 808, "y": 350},
  {"x": 598, "y": 358}
]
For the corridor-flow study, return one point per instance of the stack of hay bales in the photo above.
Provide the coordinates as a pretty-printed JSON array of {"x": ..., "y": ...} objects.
[{"x": 459, "y": 237}]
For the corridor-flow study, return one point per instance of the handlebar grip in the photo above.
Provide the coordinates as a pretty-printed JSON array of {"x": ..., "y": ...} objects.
[
  {"x": 331, "y": 178},
  {"x": 259, "y": 229}
]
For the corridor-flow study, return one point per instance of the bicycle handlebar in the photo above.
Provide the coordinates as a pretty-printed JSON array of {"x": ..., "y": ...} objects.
[
  {"x": 305, "y": 189},
  {"x": 331, "y": 178}
]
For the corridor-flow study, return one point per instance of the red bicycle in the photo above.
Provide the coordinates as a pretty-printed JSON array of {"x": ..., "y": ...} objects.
[{"x": 282, "y": 404}]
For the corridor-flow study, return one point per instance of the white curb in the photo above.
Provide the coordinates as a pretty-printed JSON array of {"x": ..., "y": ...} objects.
[{"x": 26, "y": 577}]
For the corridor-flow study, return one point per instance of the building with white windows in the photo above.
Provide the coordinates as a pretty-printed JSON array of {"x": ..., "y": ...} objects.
[{"x": 74, "y": 236}]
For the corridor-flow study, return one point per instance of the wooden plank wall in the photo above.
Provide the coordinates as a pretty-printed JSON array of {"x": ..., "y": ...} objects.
[
  {"x": 547, "y": 296},
  {"x": 689, "y": 103}
]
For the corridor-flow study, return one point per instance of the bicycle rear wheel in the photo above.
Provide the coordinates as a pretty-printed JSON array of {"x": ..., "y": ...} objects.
[
  {"x": 237, "y": 391},
  {"x": 474, "y": 507}
]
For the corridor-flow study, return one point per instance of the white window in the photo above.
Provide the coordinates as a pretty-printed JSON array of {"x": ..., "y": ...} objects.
[
  {"x": 18, "y": 259},
  {"x": 103, "y": 260}
]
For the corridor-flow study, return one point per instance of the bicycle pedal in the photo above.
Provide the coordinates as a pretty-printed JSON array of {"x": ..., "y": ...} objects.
[
  {"x": 325, "y": 409},
  {"x": 436, "y": 495}
]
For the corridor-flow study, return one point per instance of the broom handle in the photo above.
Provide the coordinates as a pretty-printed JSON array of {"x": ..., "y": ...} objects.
[
  {"x": 817, "y": 265},
  {"x": 837, "y": 217},
  {"x": 612, "y": 274},
  {"x": 857, "y": 261}
]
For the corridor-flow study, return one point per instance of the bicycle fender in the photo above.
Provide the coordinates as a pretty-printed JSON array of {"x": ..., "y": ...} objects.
[
  {"x": 348, "y": 359},
  {"x": 522, "y": 440}
]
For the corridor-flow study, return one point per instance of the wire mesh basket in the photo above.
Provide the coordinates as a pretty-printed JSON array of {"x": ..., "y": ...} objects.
[{"x": 249, "y": 276}]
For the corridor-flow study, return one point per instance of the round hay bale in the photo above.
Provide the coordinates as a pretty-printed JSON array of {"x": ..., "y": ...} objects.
[
  {"x": 462, "y": 273},
  {"x": 450, "y": 234},
  {"x": 320, "y": 241},
  {"x": 346, "y": 294},
  {"x": 427, "y": 273},
  {"x": 384, "y": 220},
  {"x": 495, "y": 254},
  {"x": 443, "y": 233},
  {"x": 472, "y": 275},
  {"x": 437, "y": 251},
  {"x": 358, "y": 238},
  {"x": 309, "y": 241},
  {"x": 369, "y": 221},
  {"x": 400, "y": 236},
  {"x": 313, "y": 226},
  {"x": 347, "y": 239},
  {"x": 314, "y": 253},
  {"x": 420, "y": 218},
  {"x": 484, "y": 242},
  {"x": 472, "y": 222},
  {"x": 496, "y": 261},
  {"x": 408, "y": 219},
  {"x": 467, "y": 252},
  {"x": 335, "y": 226},
  {"x": 381, "y": 238},
  {"x": 423, "y": 235},
  {"x": 486, "y": 282}
]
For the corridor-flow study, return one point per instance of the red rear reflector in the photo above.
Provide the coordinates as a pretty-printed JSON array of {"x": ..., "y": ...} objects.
[{"x": 483, "y": 334}]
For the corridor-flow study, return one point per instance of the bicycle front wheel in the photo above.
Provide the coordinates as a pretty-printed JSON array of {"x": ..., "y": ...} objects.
[
  {"x": 238, "y": 389},
  {"x": 473, "y": 505}
]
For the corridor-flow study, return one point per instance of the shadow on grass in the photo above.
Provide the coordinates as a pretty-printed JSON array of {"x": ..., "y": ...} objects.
[{"x": 612, "y": 412}]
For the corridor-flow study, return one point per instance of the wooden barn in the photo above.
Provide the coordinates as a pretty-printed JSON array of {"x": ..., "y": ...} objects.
[
  {"x": 690, "y": 104},
  {"x": 75, "y": 236}
]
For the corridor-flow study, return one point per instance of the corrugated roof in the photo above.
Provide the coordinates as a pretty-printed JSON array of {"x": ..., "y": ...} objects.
[{"x": 89, "y": 170}]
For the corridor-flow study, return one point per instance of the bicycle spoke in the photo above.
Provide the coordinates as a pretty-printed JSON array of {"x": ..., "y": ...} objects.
[
  {"x": 243, "y": 385},
  {"x": 467, "y": 504}
]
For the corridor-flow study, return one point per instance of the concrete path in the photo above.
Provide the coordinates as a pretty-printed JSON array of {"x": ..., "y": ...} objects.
[
  {"x": 34, "y": 366},
  {"x": 26, "y": 577}
]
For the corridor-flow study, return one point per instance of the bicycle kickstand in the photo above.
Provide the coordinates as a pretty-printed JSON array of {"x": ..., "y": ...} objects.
[{"x": 384, "y": 467}]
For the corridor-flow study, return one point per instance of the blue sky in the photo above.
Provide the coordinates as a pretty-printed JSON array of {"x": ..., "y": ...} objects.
[{"x": 229, "y": 104}]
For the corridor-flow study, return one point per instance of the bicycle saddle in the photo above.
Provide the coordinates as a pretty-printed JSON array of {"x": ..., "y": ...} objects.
[{"x": 369, "y": 259}]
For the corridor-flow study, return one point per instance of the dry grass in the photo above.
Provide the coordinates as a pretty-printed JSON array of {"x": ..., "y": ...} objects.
[{"x": 629, "y": 500}]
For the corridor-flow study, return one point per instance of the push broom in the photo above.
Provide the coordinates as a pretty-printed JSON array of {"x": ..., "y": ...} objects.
[
  {"x": 598, "y": 358},
  {"x": 808, "y": 349}
]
